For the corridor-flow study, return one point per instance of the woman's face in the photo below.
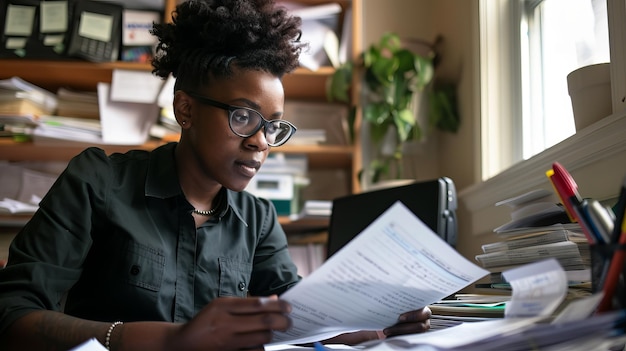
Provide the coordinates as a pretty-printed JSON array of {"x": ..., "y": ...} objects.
[{"x": 221, "y": 155}]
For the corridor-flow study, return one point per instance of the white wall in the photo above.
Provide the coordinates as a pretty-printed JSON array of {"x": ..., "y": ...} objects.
[{"x": 444, "y": 154}]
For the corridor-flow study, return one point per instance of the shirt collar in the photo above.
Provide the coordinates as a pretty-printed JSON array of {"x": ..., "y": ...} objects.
[
  {"x": 162, "y": 179},
  {"x": 233, "y": 206}
]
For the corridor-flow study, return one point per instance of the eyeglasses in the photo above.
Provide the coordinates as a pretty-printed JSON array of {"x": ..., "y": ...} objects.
[{"x": 245, "y": 122}]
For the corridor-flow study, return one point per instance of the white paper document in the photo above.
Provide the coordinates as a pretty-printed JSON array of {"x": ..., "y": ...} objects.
[
  {"x": 90, "y": 345},
  {"x": 397, "y": 264},
  {"x": 124, "y": 123},
  {"x": 538, "y": 289}
]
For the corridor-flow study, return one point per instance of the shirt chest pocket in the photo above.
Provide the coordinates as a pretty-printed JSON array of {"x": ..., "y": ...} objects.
[
  {"x": 234, "y": 277},
  {"x": 144, "y": 267}
]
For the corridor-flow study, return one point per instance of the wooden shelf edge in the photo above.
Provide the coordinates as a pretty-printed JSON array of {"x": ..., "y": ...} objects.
[{"x": 319, "y": 156}]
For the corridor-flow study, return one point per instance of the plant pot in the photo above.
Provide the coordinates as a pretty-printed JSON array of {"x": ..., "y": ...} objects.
[{"x": 590, "y": 91}]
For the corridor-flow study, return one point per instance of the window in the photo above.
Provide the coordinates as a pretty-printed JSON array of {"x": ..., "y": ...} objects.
[
  {"x": 528, "y": 47},
  {"x": 557, "y": 37}
]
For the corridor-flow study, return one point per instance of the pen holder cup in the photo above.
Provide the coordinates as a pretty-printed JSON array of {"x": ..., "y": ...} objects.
[{"x": 601, "y": 255}]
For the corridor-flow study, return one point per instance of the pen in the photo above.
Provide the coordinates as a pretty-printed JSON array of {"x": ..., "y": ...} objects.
[
  {"x": 600, "y": 219},
  {"x": 319, "y": 347},
  {"x": 567, "y": 190},
  {"x": 620, "y": 207},
  {"x": 559, "y": 188},
  {"x": 615, "y": 269}
]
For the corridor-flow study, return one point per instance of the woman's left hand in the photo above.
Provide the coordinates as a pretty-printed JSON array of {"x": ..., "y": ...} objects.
[{"x": 417, "y": 321}]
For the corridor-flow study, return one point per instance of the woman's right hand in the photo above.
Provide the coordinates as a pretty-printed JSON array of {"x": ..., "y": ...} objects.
[{"x": 230, "y": 323}]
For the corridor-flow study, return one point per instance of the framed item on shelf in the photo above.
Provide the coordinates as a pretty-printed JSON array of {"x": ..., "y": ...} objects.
[{"x": 96, "y": 31}]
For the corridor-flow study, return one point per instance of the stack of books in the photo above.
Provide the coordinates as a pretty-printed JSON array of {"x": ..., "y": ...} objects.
[
  {"x": 77, "y": 104},
  {"x": 539, "y": 229}
]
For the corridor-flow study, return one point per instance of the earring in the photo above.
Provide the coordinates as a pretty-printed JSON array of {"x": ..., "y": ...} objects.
[{"x": 184, "y": 122}]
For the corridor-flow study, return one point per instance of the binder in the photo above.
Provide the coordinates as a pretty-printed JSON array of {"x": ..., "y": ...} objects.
[
  {"x": 97, "y": 31},
  {"x": 35, "y": 29}
]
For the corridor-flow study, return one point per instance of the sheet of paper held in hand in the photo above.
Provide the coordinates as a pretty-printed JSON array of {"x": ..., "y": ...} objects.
[{"x": 397, "y": 264}]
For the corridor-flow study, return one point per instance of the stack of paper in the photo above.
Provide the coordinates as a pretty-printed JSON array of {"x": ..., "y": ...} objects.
[
  {"x": 539, "y": 229},
  {"x": 19, "y": 97},
  {"x": 320, "y": 25},
  {"x": 55, "y": 130}
]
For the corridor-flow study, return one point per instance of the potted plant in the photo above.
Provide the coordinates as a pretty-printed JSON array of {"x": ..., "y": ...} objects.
[{"x": 392, "y": 78}]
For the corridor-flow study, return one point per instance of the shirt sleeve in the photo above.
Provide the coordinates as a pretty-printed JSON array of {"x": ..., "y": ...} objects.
[
  {"x": 46, "y": 256},
  {"x": 273, "y": 269}
]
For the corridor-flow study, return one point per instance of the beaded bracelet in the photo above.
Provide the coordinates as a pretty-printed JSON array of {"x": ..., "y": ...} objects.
[{"x": 107, "y": 340}]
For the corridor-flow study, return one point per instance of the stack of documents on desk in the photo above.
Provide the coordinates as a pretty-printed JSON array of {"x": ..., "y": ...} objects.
[
  {"x": 539, "y": 229},
  {"x": 478, "y": 306},
  {"x": 540, "y": 243}
]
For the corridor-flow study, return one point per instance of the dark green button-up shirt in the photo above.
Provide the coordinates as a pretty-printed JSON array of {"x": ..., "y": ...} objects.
[{"x": 116, "y": 234}]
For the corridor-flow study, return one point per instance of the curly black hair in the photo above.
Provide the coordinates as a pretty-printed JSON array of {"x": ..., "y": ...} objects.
[{"x": 206, "y": 37}]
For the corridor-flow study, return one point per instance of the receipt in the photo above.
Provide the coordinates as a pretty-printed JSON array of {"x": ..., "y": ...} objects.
[{"x": 538, "y": 289}]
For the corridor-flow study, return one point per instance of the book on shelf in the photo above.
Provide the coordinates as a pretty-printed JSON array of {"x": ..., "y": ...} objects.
[
  {"x": 77, "y": 104},
  {"x": 308, "y": 137}
]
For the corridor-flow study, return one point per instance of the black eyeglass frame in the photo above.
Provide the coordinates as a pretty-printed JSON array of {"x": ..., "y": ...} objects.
[{"x": 264, "y": 123}]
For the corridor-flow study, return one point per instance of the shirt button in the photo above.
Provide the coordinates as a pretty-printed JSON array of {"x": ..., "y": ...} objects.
[
  {"x": 135, "y": 269},
  {"x": 242, "y": 286}
]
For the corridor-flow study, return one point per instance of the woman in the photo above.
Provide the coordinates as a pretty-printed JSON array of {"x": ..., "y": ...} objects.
[{"x": 162, "y": 250}]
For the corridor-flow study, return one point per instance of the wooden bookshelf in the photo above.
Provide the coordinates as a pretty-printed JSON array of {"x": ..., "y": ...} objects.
[{"x": 302, "y": 84}]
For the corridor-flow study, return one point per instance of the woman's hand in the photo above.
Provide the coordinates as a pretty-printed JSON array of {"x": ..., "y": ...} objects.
[
  {"x": 230, "y": 323},
  {"x": 417, "y": 321},
  {"x": 408, "y": 323}
]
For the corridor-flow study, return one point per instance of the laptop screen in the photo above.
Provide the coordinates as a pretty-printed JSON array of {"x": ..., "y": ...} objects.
[{"x": 428, "y": 200}]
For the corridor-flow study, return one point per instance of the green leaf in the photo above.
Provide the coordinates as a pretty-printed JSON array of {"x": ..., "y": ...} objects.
[
  {"x": 425, "y": 71},
  {"x": 404, "y": 121},
  {"x": 379, "y": 118},
  {"x": 338, "y": 86},
  {"x": 443, "y": 109}
]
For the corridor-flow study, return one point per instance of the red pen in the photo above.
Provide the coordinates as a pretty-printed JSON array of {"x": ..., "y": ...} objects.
[
  {"x": 567, "y": 190},
  {"x": 559, "y": 188}
]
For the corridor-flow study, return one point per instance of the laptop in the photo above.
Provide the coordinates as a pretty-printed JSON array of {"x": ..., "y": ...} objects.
[{"x": 434, "y": 202}]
